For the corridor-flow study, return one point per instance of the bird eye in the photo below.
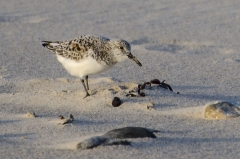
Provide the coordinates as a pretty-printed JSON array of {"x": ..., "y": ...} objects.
[{"x": 121, "y": 47}]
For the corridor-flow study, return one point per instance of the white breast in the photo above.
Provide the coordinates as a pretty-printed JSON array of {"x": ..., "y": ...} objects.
[{"x": 84, "y": 67}]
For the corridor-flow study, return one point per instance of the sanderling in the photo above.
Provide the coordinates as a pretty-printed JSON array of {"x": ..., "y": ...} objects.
[{"x": 87, "y": 55}]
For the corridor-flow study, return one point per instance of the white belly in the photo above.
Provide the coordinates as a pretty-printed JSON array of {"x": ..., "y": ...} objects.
[{"x": 83, "y": 67}]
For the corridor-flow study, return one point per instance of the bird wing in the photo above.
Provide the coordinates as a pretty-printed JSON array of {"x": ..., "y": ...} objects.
[{"x": 76, "y": 48}]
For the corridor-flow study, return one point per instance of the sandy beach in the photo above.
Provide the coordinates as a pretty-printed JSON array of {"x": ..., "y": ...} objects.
[{"x": 192, "y": 45}]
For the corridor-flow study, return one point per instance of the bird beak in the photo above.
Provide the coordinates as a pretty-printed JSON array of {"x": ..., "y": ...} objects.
[{"x": 134, "y": 59}]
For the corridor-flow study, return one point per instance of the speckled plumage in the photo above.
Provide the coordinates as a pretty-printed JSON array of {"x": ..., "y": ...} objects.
[
  {"x": 78, "y": 48},
  {"x": 89, "y": 54}
]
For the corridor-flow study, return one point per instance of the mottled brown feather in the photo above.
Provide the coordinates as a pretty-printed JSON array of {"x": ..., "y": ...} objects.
[{"x": 81, "y": 47}]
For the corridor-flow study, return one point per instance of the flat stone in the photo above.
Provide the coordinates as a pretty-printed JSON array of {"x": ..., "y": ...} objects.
[
  {"x": 112, "y": 137},
  {"x": 131, "y": 132}
]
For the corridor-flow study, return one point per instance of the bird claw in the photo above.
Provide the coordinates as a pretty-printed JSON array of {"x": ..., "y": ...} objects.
[{"x": 87, "y": 94}]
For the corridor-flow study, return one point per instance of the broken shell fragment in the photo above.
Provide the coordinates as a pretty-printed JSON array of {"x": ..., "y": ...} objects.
[
  {"x": 150, "y": 105},
  {"x": 31, "y": 115},
  {"x": 64, "y": 120}
]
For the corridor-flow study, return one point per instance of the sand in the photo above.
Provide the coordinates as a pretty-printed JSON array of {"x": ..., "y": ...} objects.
[{"x": 193, "y": 45}]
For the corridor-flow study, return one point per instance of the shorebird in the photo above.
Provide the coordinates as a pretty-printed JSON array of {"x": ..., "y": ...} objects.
[{"x": 87, "y": 55}]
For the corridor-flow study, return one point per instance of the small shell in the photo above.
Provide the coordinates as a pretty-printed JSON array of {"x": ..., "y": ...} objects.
[
  {"x": 150, "y": 105},
  {"x": 64, "y": 120},
  {"x": 31, "y": 115}
]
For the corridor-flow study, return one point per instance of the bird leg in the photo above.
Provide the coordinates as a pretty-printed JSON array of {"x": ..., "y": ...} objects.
[
  {"x": 86, "y": 78},
  {"x": 87, "y": 94}
]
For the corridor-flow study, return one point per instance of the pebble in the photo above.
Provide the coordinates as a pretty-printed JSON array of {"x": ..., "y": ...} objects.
[
  {"x": 116, "y": 102},
  {"x": 221, "y": 110}
]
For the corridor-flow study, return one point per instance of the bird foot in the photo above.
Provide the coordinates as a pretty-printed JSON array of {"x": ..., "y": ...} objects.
[{"x": 87, "y": 94}]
